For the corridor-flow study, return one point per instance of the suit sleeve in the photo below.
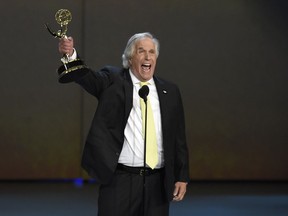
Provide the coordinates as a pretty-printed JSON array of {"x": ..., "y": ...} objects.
[
  {"x": 95, "y": 82},
  {"x": 181, "y": 157}
]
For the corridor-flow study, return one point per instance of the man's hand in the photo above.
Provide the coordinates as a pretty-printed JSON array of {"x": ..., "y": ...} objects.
[
  {"x": 179, "y": 191},
  {"x": 66, "y": 46}
]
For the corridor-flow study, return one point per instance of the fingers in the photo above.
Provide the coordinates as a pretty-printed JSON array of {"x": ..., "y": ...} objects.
[
  {"x": 66, "y": 46},
  {"x": 179, "y": 191}
]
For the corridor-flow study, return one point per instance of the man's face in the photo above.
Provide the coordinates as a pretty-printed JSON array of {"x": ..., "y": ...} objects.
[{"x": 143, "y": 61}]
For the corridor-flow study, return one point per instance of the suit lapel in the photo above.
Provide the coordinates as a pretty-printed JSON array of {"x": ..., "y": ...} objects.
[
  {"x": 128, "y": 93},
  {"x": 164, "y": 103}
]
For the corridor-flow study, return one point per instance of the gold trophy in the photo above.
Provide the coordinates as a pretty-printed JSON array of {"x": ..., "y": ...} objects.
[{"x": 70, "y": 70}]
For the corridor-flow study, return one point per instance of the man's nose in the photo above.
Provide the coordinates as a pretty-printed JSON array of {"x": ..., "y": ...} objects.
[{"x": 147, "y": 55}]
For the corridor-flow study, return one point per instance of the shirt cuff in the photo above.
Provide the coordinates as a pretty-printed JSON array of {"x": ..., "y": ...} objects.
[{"x": 66, "y": 59}]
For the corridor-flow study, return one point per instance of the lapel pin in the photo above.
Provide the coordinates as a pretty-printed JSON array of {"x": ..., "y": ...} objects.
[{"x": 164, "y": 91}]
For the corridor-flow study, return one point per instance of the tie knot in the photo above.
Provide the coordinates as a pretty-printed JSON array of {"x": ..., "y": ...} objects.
[{"x": 143, "y": 83}]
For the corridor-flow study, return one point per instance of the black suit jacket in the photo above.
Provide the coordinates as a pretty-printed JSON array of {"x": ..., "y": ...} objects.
[{"x": 113, "y": 88}]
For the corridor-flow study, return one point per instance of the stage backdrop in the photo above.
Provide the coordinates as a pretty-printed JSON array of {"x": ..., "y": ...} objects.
[{"x": 229, "y": 58}]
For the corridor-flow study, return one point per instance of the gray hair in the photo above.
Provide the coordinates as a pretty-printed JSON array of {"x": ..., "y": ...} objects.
[{"x": 130, "y": 47}]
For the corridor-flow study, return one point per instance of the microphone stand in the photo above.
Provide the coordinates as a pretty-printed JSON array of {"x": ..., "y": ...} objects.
[
  {"x": 143, "y": 93},
  {"x": 144, "y": 163}
]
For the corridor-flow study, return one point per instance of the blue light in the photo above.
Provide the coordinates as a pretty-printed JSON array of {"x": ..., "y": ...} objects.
[{"x": 78, "y": 182}]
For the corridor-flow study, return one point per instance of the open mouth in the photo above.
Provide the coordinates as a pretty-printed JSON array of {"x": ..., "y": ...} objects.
[{"x": 146, "y": 67}]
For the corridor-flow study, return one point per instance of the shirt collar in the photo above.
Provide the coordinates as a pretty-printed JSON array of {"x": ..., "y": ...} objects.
[{"x": 137, "y": 81}]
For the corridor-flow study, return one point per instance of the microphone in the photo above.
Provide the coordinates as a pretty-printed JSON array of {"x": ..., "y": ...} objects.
[{"x": 143, "y": 92}]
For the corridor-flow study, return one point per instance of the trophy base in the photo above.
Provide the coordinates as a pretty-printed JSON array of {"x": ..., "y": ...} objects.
[{"x": 71, "y": 71}]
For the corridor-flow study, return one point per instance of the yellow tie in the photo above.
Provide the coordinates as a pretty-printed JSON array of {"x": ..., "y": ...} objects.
[{"x": 151, "y": 142}]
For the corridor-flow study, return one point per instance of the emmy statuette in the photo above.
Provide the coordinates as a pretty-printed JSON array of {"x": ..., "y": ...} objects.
[{"x": 69, "y": 70}]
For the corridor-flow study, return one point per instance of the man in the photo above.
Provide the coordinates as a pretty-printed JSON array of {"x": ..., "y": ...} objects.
[{"x": 114, "y": 150}]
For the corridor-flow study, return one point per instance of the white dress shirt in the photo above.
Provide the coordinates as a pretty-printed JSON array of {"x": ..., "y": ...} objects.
[{"x": 132, "y": 153}]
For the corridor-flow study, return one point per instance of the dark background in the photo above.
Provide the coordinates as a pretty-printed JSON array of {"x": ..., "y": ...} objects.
[{"x": 229, "y": 58}]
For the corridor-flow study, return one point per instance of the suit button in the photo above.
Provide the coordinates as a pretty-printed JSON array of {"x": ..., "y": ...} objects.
[{"x": 117, "y": 153}]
